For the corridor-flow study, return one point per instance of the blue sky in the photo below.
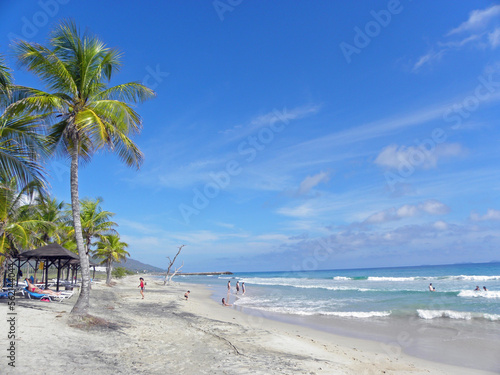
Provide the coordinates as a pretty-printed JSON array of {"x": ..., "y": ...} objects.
[{"x": 298, "y": 135}]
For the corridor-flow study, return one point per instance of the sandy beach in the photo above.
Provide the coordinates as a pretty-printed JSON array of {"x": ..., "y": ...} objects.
[{"x": 165, "y": 334}]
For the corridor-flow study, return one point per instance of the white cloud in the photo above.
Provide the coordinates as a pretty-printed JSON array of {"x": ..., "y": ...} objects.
[
  {"x": 394, "y": 156},
  {"x": 427, "y": 58},
  {"x": 477, "y": 19},
  {"x": 431, "y": 207},
  {"x": 303, "y": 210},
  {"x": 434, "y": 207},
  {"x": 491, "y": 214},
  {"x": 225, "y": 225},
  {"x": 440, "y": 225},
  {"x": 312, "y": 181},
  {"x": 494, "y": 38},
  {"x": 479, "y": 32}
]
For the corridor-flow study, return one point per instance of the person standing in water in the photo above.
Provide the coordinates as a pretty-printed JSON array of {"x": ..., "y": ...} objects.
[
  {"x": 229, "y": 286},
  {"x": 237, "y": 287},
  {"x": 243, "y": 288},
  {"x": 431, "y": 288}
]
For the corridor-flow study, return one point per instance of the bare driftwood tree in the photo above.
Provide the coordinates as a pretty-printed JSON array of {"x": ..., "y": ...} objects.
[
  {"x": 171, "y": 263},
  {"x": 172, "y": 275}
]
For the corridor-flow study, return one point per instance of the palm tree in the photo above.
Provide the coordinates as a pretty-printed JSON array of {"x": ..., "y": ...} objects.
[
  {"x": 86, "y": 115},
  {"x": 21, "y": 145},
  {"x": 110, "y": 249},
  {"x": 51, "y": 211},
  {"x": 95, "y": 221},
  {"x": 17, "y": 223}
]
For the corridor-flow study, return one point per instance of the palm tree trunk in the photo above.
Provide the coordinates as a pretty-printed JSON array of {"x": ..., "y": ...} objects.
[
  {"x": 82, "y": 304},
  {"x": 109, "y": 268}
]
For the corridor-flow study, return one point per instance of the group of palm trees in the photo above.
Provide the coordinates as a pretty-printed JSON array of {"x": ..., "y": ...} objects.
[{"x": 75, "y": 115}]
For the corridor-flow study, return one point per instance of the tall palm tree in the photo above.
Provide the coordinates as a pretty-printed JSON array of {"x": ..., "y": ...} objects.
[
  {"x": 110, "y": 249},
  {"x": 86, "y": 115}
]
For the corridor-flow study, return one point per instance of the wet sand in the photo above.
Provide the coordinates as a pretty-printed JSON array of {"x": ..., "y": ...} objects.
[{"x": 165, "y": 334}]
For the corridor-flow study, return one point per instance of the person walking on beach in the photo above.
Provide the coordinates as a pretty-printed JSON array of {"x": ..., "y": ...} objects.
[
  {"x": 243, "y": 288},
  {"x": 141, "y": 285},
  {"x": 237, "y": 287}
]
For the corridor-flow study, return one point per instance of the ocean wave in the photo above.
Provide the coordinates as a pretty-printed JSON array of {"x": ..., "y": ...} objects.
[
  {"x": 383, "y": 278},
  {"x": 358, "y": 314},
  {"x": 432, "y": 314},
  {"x": 315, "y": 312},
  {"x": 474, "y": 277},
  {"x": 302, "y": 284},
  {"x": 447, "y": 277},
  {"x": 479, "y": 294},
  {"x": 342, "y": 278},
  {"x": 461, "y": 315}
]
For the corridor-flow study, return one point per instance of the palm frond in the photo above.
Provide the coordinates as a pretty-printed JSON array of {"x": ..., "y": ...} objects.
[
  {"x": 132, "y": 92},
  {"x": 46, "y": 65}
]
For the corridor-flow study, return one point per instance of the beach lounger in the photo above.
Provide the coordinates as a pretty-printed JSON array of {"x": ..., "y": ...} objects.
[
  {"x": 4, "y": 295},
  {"x": 63, "y": 296},
  {"x": 33, "y": 295}
]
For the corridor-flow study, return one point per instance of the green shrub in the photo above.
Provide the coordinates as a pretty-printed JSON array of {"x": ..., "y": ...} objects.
[{"x": 120, "y": 272}]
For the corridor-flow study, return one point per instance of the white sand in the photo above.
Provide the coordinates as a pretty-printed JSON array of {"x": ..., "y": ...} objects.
[{"x": 164, "y": 334}]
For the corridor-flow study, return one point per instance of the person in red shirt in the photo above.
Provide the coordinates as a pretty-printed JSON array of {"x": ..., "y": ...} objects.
[{"x": 141, "y": 285}]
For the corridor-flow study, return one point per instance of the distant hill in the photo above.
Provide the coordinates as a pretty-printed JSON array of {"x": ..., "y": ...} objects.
[{"x": 135, "y": 265}]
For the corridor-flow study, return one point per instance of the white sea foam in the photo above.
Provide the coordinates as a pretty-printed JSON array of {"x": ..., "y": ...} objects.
[
  {"x": 304, "y": 311},
  {"x": 491, "y": 316},
  {"x": 479, "y": 294},
  {"x": 377, "y": 278},
  {"x": 341, "y": 278},
  {"x": 474, "y": 277},
  {"x": 302, "y": 283},
  {"x": 432, "y": 314},
  {"x": 463, "y": 315},
  {"x": 358, "y": 314}
]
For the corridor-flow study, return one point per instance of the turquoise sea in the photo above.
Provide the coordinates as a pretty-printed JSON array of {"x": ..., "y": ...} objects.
[
  {"x": 369, "y": 293},
  {"x": 392, "y": 306}
]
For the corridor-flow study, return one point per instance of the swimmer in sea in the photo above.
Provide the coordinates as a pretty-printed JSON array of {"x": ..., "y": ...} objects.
[
  {"x": 484, "y": 288},
  {"x": 431, "y": 288}
]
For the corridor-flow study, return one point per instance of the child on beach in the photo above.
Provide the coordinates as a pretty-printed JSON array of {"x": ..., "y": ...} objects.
[
  {"x": 237, "y": 287},
  {"x": 224, "y": 303},
  {"x": 186, "y": 295},
  {"x": 141, "y": 285}
]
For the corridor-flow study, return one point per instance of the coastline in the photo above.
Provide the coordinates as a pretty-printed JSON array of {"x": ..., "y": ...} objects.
[{"x": 164, "y": 334}]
